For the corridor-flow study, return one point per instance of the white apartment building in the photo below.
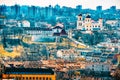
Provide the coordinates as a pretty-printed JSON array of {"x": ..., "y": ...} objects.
[{"x": 98, "y": 67}]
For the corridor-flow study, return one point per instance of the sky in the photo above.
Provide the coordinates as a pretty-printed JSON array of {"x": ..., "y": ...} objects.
[{"x": 70, "y": 3}]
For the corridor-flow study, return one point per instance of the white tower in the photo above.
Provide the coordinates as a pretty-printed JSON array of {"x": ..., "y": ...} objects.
[
  {"x": 100, "y": 22},
  {"x": 88, "y": 19},
  {"x": 70, "y": 33},
  {"x": 79, "y": 21}
]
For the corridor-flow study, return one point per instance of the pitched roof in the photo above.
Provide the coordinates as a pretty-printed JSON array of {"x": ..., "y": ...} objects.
[
  {"x": 88, "y": 16},
  {"x": 80, "y": 15},
  {"x": 63, "y": 32},
  {"x": 58, "y": 27}
]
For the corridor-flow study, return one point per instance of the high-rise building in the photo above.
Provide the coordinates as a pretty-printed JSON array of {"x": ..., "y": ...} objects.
[
  {"x": 112, "y": 8},
  {"x": 57, "y": 7},
  {"x": 2, "y": 20},
  {"x": 56, "y": 10},
  {"x": 32, "y": 11},
  {"x": 99, "y": 8},
  {"x": 24, "y": 11},
  {"x": 15, "y": 10},
  {"x": 3, "y": 9},
  {"x": 79, "y": 7},
  {"x": 49, "y": 11}
]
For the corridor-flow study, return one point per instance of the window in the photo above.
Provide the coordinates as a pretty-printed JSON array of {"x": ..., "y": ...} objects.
[
  {"x": 33, "y": 78},
  {"x": 30, "y": 78},
  {"x": 80, "y": 24},
  {"x": 26, "y": 78},
  {"x": 43, "y": 78},
  {"x": 23, "y": 78},
  {"x": 40, "y": 78},
  {"x": 17, "y": 78},
  {"x": 36, "y": 78},
  {"x": 50, "y": 78},
  {"x": 47, "y": 78},
  {"x": 57, "y": 30},
  {"x": 79, "y": 18}
]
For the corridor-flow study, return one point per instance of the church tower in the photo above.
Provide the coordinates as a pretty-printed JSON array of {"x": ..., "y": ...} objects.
[
  {"x": 79, "y": 22},
  {"x": 88, "y": 18},
  {"x": 100, "y": 22}
]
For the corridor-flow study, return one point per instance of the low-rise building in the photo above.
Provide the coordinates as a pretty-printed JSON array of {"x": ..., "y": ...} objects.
[
  {"x": 88, "y": 24},
  {"x": 113, "y": 23},
  {"x": 38, "y": 30},
  {"x": 98, "y": 66},
  {"x": 70, "y": 54},
  {"x": 29, "y": 74}
]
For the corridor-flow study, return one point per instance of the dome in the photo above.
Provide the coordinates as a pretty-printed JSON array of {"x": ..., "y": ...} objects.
[
  {"x": 100, "y": 18},
  {"x": 88, "y": 16},
  {"x": 80, "y": 15}
]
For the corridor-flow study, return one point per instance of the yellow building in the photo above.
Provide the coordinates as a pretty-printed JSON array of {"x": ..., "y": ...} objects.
[
  {"x": 88, "y": 24},
  {"x": 28, "y": 74}
]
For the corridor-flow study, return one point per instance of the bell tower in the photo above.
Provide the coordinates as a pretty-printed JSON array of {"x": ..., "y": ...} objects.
[{"x": 79, "y": 21}]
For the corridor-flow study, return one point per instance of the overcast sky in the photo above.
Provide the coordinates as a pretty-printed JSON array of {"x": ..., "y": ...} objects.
[{"x": 70, "y": 3}]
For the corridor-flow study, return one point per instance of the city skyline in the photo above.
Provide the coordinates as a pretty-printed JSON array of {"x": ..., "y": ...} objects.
[{"x": 69, "y": 3}]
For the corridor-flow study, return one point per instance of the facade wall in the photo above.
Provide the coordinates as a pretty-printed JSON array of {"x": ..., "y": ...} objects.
[
  {"x": 29, "y": 76},
  {"x": 99, "y": 67},
  {"x": 88, "y": 24}
]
